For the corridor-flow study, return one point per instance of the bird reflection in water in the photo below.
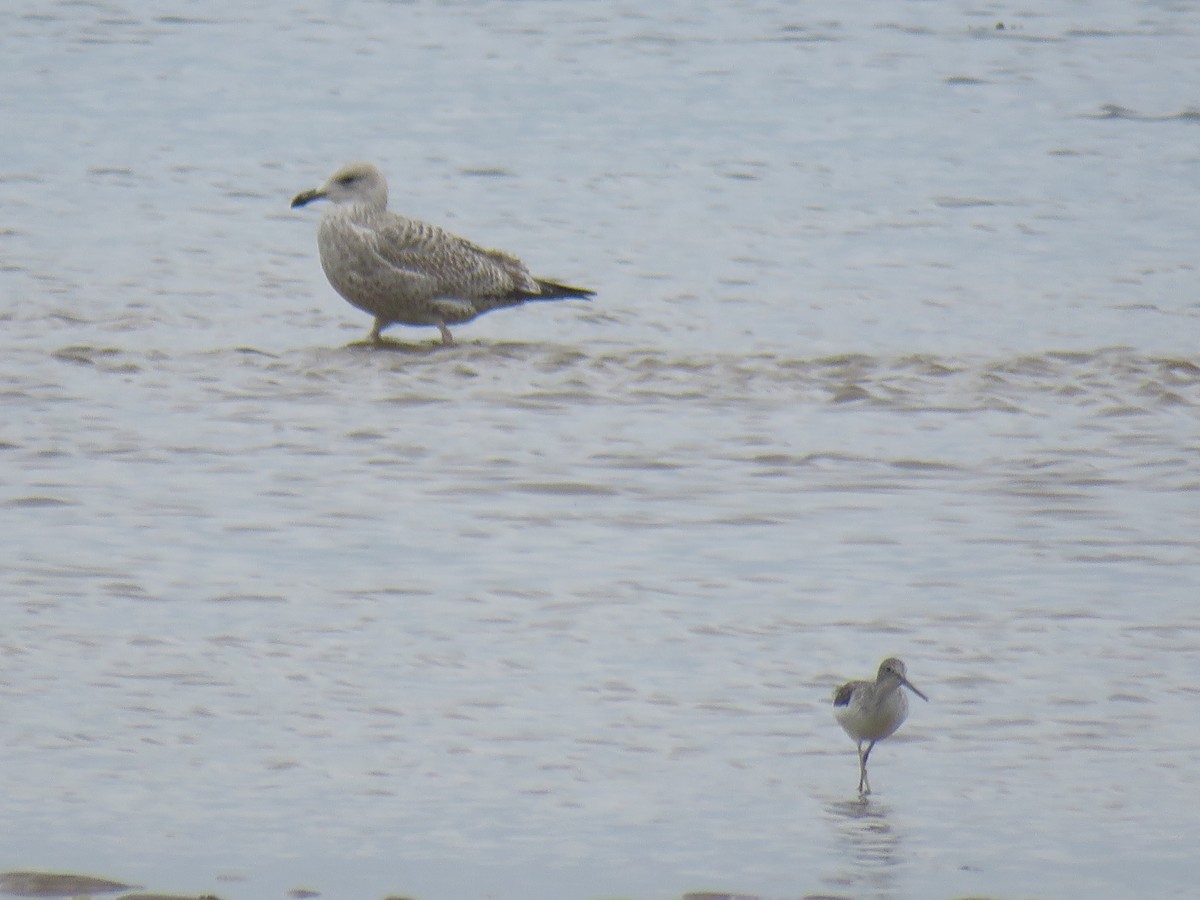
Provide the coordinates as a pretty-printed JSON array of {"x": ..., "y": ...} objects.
[{"x": 866, "y": 847}]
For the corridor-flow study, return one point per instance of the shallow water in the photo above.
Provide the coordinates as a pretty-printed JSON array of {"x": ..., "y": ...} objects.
[{"x": 894, "y": 352}]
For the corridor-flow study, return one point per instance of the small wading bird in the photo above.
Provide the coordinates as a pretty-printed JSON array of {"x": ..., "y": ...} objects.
[
  {"x": 406, "y": 272},
  {"x": 872, "y": 711}
]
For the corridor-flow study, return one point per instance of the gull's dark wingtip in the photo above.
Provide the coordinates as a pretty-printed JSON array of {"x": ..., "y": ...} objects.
[{"x": 552, "y": 290}]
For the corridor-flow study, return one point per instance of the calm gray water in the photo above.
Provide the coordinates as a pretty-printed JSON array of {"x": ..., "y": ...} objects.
[{"x": 894, "y": 352}]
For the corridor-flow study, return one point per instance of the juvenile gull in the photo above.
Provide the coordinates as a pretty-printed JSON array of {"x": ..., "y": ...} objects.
[{"x": 408, "y": 272}]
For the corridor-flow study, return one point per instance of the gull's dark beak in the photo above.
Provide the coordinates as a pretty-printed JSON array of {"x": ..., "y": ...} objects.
[{"x": 306, "y": 197}]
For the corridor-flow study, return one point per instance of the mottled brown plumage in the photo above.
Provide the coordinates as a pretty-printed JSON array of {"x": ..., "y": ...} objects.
[{"x": 403, "y": 271}]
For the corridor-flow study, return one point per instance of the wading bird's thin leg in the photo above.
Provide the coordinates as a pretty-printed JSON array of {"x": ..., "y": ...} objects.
[{"x": 864, "y": 783}]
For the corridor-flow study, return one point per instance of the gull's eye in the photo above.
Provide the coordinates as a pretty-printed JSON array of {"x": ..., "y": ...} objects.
[{"x": 347, "y": 180}]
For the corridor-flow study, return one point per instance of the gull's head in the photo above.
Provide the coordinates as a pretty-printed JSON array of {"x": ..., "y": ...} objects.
[
  {"x": 892, "y": 673},
  {"x": 354, "y": 184}
]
